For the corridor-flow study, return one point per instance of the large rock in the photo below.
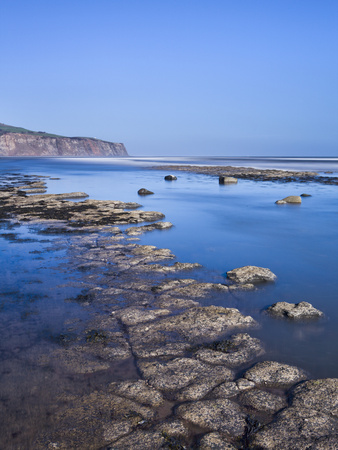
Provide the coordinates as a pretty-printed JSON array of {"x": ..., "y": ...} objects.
[
  {"x": 274, "y": 374},
  {"x": 297, "y": 311},
  {"x": 250, "y": 274},
  {"x": 170, "y": 177},
  {"x": 295, "y": 199}
]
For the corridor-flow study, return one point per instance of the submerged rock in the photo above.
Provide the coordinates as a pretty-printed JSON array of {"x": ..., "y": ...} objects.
[
  {"x": 295, "y": 199},
  {"x": 305, "y": 195},
  {"x": 274, "y": 374},
  {"x": 296, "y": 311},
  {"x": 251, "y": 274}
]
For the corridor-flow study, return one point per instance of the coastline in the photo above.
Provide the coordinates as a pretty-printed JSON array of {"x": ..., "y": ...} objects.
[{"x": 197, "y": 377}]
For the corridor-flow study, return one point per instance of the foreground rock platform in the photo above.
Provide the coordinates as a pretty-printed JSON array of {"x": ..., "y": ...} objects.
[{"x": 193, "y": 375}]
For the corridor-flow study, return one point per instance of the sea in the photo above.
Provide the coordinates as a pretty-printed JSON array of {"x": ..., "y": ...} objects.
[{"x": 221, "y": 227}]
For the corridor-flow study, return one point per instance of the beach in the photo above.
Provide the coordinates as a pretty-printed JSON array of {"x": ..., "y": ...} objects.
[{"x": 137, "y": 337}]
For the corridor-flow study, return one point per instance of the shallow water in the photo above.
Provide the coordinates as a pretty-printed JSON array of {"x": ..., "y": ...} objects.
[{"x": 221, "y": 227}]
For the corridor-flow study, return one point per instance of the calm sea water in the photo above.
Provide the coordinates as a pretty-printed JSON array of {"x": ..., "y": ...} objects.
[{"x": 221, "y": 227}]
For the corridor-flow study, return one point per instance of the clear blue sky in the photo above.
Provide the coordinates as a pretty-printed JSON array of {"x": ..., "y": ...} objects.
[{"x": 175, "y": 77}]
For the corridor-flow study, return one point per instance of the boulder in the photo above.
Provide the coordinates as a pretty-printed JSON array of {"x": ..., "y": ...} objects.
[
  {"x": 295, "y": 199},
  {"x": 223, "y": 179},
  {"x": 251, "y": 274},
  {"x": 170, "y": 177},
  {"x": 305, "y": 195},
  {"x": 144, "y": 191},
  {"x": 296, "y": 311}
]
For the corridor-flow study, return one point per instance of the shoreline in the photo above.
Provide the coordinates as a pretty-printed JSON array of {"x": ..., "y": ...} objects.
[{"x": 200, "y": 378}]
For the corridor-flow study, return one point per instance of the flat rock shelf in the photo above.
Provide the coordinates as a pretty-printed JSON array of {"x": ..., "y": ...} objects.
[{"x": 191, "y": 376}]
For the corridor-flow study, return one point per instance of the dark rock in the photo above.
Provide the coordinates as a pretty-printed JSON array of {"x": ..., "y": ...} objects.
[
  {"x": 144, "y": 191},
  {"x": 227, "y": 180},
  {"x": 305, "y": 195},
  {"x": 170, "y": 177}
]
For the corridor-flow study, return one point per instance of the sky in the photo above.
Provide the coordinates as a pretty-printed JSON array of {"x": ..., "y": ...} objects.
[{"x": 175, "y": 77}]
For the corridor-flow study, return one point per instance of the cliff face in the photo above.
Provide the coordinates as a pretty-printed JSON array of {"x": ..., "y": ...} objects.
[{"x": 21, "y": 144}]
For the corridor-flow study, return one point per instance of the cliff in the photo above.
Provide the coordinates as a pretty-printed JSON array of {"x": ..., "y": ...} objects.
[{"x": 20, "y": 142}]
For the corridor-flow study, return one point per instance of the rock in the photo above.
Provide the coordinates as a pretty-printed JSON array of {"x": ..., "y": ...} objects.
[
  {"x": 274, "y": 374},
  {"x": 170, "y": 177},
  {"x": 296, "y": 311},
  {"x": 140, "y": 439},
  {"x": 134, "y": 231},
  {"x": 320, "y": 395},
  {"x": 144, "y": 191},
  {"x": 295, "y": 199},
  {"x": 298, "y": 428},
  {"x": 238, "y": 349},
  {"x": 221, "y": 415},
  {"x": 263, "y": 400},
  {"x": 184, "y": 378},
  {"x": 227, "y": 180},
  {"x": 215, "y": 441},
  {"x": 140, "y": 391},
  {"x": 133, "y": 316},
  {"x": 251, "y": 274},
  {"x": 305, "y": 195}
]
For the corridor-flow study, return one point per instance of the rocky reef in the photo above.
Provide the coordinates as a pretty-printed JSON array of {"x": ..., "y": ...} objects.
[{"x": 41, "y": 144}]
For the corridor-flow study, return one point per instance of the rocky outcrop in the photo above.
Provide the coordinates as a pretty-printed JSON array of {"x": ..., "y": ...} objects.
[{"x": 21, "y": 144}]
